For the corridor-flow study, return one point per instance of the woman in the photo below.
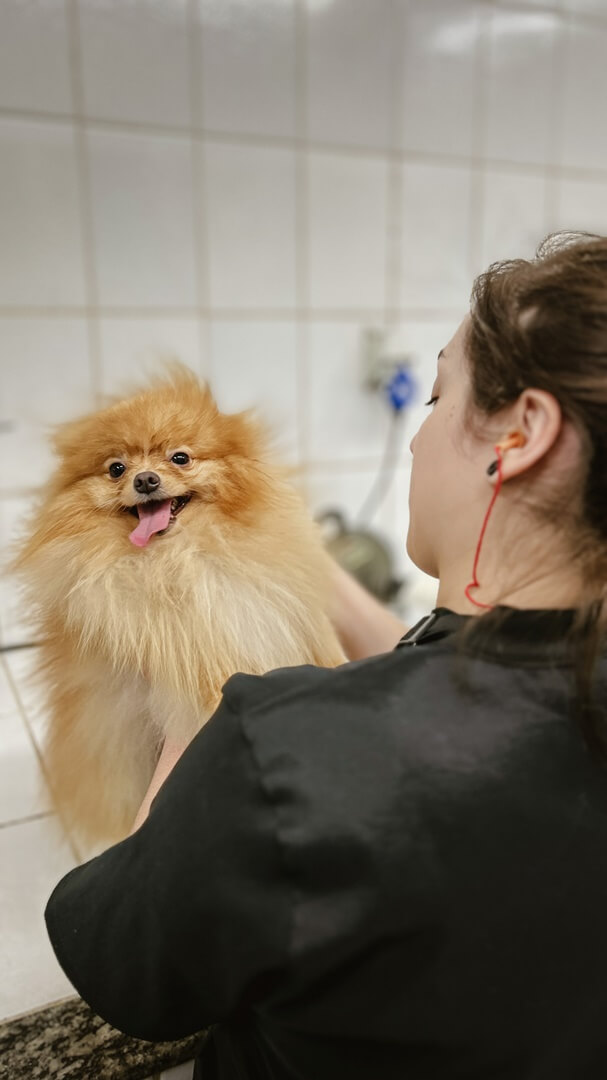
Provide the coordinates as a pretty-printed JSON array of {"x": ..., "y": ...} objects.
[{"x": 398, "y": 868}]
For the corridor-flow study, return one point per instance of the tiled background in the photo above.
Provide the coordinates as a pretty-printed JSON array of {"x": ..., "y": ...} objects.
[{"x": 249, "y": 184}]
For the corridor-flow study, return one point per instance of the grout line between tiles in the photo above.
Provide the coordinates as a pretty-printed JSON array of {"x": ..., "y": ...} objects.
[
  {"x": 478, "y": 175},
  {"x": 21, "y": 644},
  {"x": 420, "y": 314},
  {"x": 301, "y": 239},
  {"x": 23, "y": 713},
  {"x": 555, "y": 133},
  {"x": 520, "y": 5},
  {"x": 393, "y": 233},
  {"x": 355, "y": 465},
  {"x": 426, "y": 157},
  {"x": 85, "y": 200},
  {"x": 394, "y": 185},
  {"x": 27, "y": 819},
  {"x": 200, "y": 202}
]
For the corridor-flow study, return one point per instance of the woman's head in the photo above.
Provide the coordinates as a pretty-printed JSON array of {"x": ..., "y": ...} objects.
[{"x": 530, "y": 358}]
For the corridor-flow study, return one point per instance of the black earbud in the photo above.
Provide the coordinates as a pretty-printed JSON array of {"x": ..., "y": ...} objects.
[{"x": 515, "y": 438}]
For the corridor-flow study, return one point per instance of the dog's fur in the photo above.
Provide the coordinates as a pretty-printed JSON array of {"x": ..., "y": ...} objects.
[{"x": 137, "y": 642}]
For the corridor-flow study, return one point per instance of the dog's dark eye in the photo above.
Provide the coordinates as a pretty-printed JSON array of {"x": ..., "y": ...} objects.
[
  {"x": 116, "y": 469},
  {"x": 180, "y": 458}
]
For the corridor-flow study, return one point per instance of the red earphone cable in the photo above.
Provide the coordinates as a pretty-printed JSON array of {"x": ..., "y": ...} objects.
[{"x": 474, "y": 584}]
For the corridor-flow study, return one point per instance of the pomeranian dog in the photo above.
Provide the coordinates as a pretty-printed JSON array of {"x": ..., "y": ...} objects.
[{"x": 166, "y": 553}]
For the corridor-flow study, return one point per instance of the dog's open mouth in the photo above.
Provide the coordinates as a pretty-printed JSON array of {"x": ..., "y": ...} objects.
[{"x": 155, "y": 517}]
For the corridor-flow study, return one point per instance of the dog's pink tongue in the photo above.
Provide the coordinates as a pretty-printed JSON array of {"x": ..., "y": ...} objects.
[{"x": 153, "y": 518}]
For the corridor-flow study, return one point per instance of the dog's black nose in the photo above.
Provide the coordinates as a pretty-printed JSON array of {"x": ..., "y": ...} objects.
[{"x": 145, "y": 482}]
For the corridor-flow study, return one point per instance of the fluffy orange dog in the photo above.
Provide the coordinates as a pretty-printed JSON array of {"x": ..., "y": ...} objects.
[{"x": 166, "y": 554}]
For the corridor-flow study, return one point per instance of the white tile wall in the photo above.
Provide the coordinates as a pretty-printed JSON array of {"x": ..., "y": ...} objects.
[
  {"x": 585, "y": 7},
  {"x": 439, "y": 79},
  {"x": 344, "y": 423},
  {"x": 40, "y": 215},
  {"x": 34, "y": 67},
  {"x": 253, "y": 365},
  {"x": 351, "y": 71},
  {"x": 141, "y": 196},
  {"x": 435, "y": 235},
  {"x": 23, "y": 791},
  {"x": 135, "y": 61},
  {"x": 29, "y": 696},
  {"x": 34, "y": 854},
  {"x": 584, "y": 138},
  {"x": 15, "y": 625},
  {"x": 582, "y": 204},
  {"x": 346, "y": 231},
  {"x": 133, "y": 348},
  {"x": 180, "y": 1072},
  {"x": 521, "y": 66},
  {"x": 250, "y": 201},
  {"x": 248, "y": 57},
  {"x": 514, "y": 216},
  {"x": 248, "y": 186},
  {"x": 45, "y": 378}
]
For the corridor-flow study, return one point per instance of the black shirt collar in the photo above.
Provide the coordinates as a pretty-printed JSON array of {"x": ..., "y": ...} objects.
[{"x": 526, "y": 635}]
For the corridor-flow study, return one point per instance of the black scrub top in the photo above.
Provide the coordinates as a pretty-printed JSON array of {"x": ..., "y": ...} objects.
[{"x": 367, "y": 873}]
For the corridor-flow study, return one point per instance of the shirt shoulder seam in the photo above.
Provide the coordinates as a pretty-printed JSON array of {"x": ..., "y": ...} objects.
[{"x": 287, "y": 871}]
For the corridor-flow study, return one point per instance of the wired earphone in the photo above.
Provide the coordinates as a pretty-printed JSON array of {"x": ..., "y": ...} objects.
[{"x": 516, "y": 438}]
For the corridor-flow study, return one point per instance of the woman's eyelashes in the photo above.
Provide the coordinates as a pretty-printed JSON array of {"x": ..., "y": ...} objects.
[{"x": 432, "y": 401}]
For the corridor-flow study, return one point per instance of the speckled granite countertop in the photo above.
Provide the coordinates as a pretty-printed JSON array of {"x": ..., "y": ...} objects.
[{"x": 68, "y": 1041}]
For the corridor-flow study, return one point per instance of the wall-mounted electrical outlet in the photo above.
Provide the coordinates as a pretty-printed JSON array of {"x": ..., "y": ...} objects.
[{"x": 379, "y": 365}]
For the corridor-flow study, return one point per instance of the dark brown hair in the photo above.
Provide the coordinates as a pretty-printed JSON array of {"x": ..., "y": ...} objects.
[{"x": 542, "y": 323}]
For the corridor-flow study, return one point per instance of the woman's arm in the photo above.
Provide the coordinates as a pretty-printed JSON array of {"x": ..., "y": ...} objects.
[
  {"x": 201, "y": 878},
  {"x": 364, "y": 626},
  {"x": 171, "y": 752}
]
